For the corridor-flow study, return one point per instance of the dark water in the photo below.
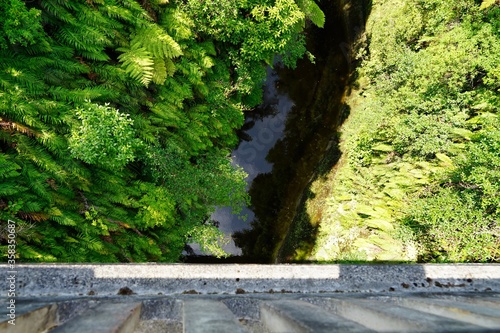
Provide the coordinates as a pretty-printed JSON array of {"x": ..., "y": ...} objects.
[
  {"x": 263, "y": 128},
  {"x": 287, "y": 142}
]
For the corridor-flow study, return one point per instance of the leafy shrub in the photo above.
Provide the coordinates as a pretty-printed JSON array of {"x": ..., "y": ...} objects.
[
  {"x": 460, "y": 220},
  {"x": 105, "y": 137},
  {"x": 422, "y": 141},
  {"x": 451, "y": 226}
]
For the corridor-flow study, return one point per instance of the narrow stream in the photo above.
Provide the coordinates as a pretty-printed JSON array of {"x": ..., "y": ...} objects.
[
  {"x": 285, "y": 143},
  {"x": 263, "y": 128}
]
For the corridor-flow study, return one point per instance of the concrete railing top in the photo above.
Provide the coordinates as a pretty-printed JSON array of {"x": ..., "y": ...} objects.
[{"x": 169, "y": 279}]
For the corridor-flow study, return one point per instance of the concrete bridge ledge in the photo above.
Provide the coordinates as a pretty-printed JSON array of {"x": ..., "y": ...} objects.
[
  {"x": 193, "y": 298},
  {"x": 170, "y": 279}
]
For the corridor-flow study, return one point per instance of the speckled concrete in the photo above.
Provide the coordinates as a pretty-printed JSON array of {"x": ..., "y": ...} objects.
[
  {"x": 400, "y": 311},
  {"x": 168, "y": 279}
]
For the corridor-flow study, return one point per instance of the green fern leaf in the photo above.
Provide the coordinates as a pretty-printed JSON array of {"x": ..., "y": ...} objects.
[
  {"x": 160, "y": 71},
  {"x": 138, "y": 63},
  {"x": 157, "y": 42},
  {"x": 57, "y": 11}
]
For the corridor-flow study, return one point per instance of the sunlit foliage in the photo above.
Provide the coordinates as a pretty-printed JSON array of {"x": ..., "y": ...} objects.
[
  {"x": 421, "y": 179},
  {"x": 116, "y": 118}
]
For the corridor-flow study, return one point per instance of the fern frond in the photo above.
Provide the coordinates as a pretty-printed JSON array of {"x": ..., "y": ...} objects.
[
  {"x": 137, "y": 11},
  {"x": 50, "y": 112},
  {"x": 159, "y": 71},
  {"x": 61, "y": 52},
  {"x": 63, "y": 220},
  {"x": 96, "y": 56},
  {"x": 13, "y": 127},
  {"x": 73, "y": 5},
  {"x": 177, "y": 23},
  {"x": 138, "y": 63},
  {"x": 9, "y": 188},
  {"x": 42, "y": 47},
  {"x": 117, "y": 12},
  {"x": 39, "y": 157},
  {"x": 8, "y": 167},
  {"x": 40, "y": 64},
  {"x": 51, "y": 7},
  {"x": 76, "y": 96},
  {"x": 168, "y": 113},
  {"x": 28, "y": 252},
  {"x": 176, "y": 92},
  {"x": 105, "y": 23},
  {"x": 170, "y": 67},
  {"x": 31, "y": 206},
  {"x": 83, "y": 38},
  {"x": 56, "y": 144},
  {"x": 157, "y": 42},
  {"x": 20, "y": 116}
]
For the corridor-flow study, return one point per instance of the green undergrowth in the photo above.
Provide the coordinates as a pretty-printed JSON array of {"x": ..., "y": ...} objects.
[
  {"x": 419, "y": 176},
  {"x": 117, "y": 118}
]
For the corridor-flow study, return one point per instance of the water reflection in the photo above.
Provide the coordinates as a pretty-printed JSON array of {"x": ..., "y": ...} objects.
[
  {"x": 307, "y": 148},
  {"x": 282, "y": 143},
  {"x": 263, "y": 128},
  {"x": 292, "y": 140}
]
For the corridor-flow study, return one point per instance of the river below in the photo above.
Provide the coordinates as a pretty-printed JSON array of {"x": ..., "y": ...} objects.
[{"x": 286, "y": 143}]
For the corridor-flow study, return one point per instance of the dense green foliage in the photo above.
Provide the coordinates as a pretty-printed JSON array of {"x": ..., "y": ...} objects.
[
  {"x": 459, "y": 219},
  {"x": 420, "y": 179},
  {"x": 117, "y": 116}
]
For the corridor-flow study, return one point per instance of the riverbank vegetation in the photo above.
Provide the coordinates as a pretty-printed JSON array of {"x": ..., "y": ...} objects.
[
  {"x": 419, "y": 176},
  {"x": 117, "y": 118}
]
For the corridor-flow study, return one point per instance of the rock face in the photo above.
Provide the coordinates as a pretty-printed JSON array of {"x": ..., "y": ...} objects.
[
  {"x": 256, "y": 298},
  {"x": 355, "y": 14}
]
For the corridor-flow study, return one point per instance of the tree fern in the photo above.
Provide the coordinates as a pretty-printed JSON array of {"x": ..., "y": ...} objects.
[
  {"x": 157, "y": 42},
  {"x": 83, "y": 38},
  {"x": 9, "y": 188},
  {"x": 159, "y": 71},
  {"x": 177, "y": 23},
  {"x": 8, "y": 167},
  {"x": 138, "y": 63},
  {"x": 52, "y": 10},
  {"x": 146, "y": 58}
]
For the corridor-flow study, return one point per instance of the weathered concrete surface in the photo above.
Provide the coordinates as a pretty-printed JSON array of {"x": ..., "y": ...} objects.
[
  {"x": 285, "y": 316},
  {"x": 281, "y": 312},
  {"x": 387, "y": 317},
  {"x": 168, "y": 279},
  {"x": 477, "y": 314},
  {"x": 105, "y": 318},
  {"x": 209, "y": 316},
  {"x": 31, "y": 318}
]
